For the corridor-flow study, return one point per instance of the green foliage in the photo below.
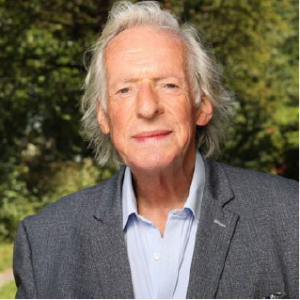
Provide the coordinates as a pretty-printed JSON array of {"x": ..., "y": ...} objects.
[
  {"x": 16, "y": 203},
  {"x": 19, "y": 199},
  {"x": 69, "y": 177},
  {"x": 256, "y": 42},
  {"x": 43, "y": 156}
]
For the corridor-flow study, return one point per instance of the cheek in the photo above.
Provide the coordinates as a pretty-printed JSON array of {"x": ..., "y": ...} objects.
[
  {"x": 182, "y": 115},
  {"x": 186, "y": 127},
  {"x": 119, "y": 122}
]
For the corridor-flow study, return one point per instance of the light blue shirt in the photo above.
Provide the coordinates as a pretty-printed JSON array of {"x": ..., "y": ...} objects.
[{"x": 160, "y": 266}]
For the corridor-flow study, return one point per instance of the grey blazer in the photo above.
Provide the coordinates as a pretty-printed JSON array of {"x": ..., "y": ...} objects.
[{"x": 246, "y": 244}]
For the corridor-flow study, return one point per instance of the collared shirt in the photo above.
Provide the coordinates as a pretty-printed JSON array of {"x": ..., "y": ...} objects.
[{"x": 160, "y": 266}]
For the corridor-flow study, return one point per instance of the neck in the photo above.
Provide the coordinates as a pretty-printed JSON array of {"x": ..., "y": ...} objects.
[{"x": 159, "y": 192}]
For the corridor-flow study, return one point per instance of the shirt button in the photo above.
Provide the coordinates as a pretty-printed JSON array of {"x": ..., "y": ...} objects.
[{"x": 157, "y": 256}]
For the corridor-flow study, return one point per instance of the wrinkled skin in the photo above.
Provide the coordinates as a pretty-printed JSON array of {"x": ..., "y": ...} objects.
[{"x": 151, "y": 115}]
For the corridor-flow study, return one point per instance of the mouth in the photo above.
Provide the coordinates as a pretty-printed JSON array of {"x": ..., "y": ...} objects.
[{"x": 152, "y": 135}]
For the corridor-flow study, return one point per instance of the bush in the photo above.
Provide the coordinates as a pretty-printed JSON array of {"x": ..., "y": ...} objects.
[{"x": 17, "y": 200}]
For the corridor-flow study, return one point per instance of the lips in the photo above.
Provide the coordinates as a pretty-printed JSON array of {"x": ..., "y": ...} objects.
[{"x": 149, "y": 135}]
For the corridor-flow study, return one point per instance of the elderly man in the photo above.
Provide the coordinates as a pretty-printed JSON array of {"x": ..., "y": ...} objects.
[{"x": 171, "y": 223}]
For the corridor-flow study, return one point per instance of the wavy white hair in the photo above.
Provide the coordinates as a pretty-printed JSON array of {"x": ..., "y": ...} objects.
[{"x": 204, "y": 74}]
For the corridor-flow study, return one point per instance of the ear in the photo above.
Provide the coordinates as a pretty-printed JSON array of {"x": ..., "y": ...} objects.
[
  {"x": 102, "y": 119},
  {"x": 205, "y": 111}
]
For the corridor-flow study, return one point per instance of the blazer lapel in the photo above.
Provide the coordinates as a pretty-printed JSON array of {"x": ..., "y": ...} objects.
[
  {"x": 107, "y": 242},
  {"x": 215, "y": 231},
  {"x": 110, "y": 258}
]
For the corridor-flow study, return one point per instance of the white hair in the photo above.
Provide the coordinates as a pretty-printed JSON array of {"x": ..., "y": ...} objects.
[{"x": 204, "y": 75}]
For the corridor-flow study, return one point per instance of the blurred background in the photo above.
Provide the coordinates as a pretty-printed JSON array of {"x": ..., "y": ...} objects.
[{"x": 42, "y": 153}]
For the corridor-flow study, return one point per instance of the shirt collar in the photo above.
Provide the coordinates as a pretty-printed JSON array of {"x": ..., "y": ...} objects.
[
  {"x": 193, "y": 201},
  {"x": 128, "y": 197}
]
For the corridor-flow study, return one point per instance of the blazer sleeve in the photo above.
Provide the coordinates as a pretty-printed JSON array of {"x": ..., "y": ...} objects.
[{"x": 22, "y": 265}]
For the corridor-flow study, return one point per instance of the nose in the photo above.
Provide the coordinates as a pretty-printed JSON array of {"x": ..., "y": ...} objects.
[{"x": 147, "y": 102}]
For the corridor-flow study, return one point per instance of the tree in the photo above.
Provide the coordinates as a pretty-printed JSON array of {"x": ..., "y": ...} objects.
[
  {"x": 256, "y": 42},
  {"x": 43, "y": 155}
]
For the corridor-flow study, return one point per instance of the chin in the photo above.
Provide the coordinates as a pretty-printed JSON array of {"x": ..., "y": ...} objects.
[{"x": 151, "y": 162}]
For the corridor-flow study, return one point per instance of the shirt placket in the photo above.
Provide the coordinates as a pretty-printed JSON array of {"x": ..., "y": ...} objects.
[
  {"x": 170, "y": 256},
  {"x": 156, "y": 260}
]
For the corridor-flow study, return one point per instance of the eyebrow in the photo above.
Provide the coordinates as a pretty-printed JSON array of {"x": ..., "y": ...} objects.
[{"x": 133, "y": 80}]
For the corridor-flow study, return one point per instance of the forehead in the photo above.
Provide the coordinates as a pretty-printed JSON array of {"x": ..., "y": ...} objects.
[{"x": 145, "y": 49}]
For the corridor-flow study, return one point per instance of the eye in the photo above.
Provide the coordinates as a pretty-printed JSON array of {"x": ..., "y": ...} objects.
[
  {"x": 123, "y": 91},
  {"x": 171, "y": 86}
]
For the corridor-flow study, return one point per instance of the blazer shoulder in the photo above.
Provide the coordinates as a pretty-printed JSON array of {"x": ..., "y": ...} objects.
[
  {"x": 262, "y": 182},
  {"x": 70, "y": 206},
  {"x": 256, "y": 190}
]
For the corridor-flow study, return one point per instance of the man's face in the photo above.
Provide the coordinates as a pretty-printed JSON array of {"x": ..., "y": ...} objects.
[{"x": 151, "y": 114}]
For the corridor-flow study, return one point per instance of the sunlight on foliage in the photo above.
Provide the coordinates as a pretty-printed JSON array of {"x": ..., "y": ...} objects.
[{"x": 43, "y": 156}]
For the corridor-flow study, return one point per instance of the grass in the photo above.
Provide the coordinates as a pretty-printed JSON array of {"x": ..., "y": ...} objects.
[
  {"x": 8, "y": 291},
  {"x": 6, "y": 253}
]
